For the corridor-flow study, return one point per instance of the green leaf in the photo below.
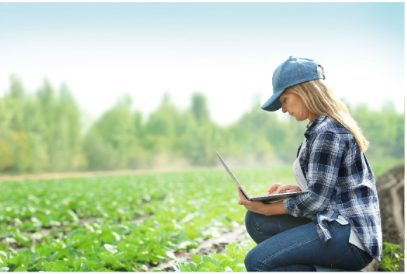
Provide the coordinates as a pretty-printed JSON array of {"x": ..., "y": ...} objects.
[
  {"x": 212, "y": 267},
  {"x": 107, "y": 237},
  {"x": 3, "y": 254},
  {"x": 185, "y": 268},
  {"x": 219, "y": 257},
  {"x": 79, "y": 265},
  {"x": 108, "y": 259},
  {"x": 159, "y": 252},
  {"x": 76, "y": 233},
  {"x": 111, "y": 248},
  {"x": 196, "y": 258},
  {"x": 57, "y": 266},
  {"x": 121, "y": 229},
  {"x": 16, "y": 261},
  {"x": 239, "y": 268},
  {"x": 72, "y": 216},
  {"x": 95, "y": 265},
  {"x": 209, "y": 260}
]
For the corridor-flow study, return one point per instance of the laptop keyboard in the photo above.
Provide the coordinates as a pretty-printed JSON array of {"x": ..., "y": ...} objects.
[{"x": 277, "y": 194}]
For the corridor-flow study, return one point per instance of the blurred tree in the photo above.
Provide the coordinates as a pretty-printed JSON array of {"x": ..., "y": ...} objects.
[
  {"x": 162, "y": 130},
  {"x": 110, "y": 141},
  {"x": 251, "y": 133},
  {"x": 16, "y": 104},
  {"x": 138, "y": 154},
  {"x": 36, "y": 129},
  {"x": 200, "y": 136},
  {"x": 61, "y": 129},
  {"x": 69, "y": 130},
  {"x": 383, "y": 129},
  {"x": 199, "y": 108},
  {"x": 388, "y": 107},
  {"x": 7, "y": 155},
  {"x": 13, "y": 131},
  {"x": 47, "y": 106},
  {"x": 162, "y": 122}
]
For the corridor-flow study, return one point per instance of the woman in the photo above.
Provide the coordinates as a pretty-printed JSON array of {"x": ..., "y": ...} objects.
[{"x": 337, "y": 222}]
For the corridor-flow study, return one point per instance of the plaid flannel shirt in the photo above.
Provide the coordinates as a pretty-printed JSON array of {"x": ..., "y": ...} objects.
[{"x": 340, "y": 181}]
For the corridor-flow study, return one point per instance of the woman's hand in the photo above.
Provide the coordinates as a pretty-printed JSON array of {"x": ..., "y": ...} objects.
[
  {"x": 261, "y": 208},
  {"x": 279, "y": 188},
  {"x": 254, "y": 206},
  {"x": 273, "y": 188}
]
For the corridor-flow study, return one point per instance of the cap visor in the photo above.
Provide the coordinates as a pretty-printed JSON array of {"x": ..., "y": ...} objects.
[{"x": 272, "y": 103}]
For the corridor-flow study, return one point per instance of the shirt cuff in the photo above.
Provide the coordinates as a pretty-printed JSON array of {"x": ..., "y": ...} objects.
[{"x": 289, "y": 206}]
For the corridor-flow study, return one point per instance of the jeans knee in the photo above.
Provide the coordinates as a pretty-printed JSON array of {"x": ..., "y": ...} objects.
[
  {"x": 251, "y": 223},
  {"x": 248, "y": 217},
  {"x": 250, "y": 262}
]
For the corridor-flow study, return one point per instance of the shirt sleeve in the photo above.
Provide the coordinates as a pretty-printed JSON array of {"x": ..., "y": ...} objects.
[{"x": 324, "y": 162}]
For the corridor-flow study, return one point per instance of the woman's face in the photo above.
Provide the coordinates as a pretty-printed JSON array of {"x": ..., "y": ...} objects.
[{"x": 293, "y": 104}]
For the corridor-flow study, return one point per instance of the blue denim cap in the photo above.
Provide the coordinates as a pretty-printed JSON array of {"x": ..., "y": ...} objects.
[{"x": 290, "y": 73}]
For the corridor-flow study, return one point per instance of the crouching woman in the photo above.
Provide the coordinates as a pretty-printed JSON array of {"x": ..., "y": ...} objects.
[{"x": 337, "y": 222}]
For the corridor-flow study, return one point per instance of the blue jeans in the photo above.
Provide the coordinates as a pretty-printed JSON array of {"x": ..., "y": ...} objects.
[{"x": 287, "y": 243}]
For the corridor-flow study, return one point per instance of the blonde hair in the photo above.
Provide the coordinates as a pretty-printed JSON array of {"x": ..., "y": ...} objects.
[{"x": 318, "y": 98}]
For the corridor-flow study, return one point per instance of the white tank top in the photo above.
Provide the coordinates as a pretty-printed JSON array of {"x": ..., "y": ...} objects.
[{"x": 302, "y": 183}]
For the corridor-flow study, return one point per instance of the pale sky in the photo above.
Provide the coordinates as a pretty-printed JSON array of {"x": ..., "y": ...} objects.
[{"x": 227, "y": 51}]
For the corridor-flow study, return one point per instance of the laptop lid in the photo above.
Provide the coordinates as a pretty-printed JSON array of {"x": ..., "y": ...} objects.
[{"x": 233, "y": 176}]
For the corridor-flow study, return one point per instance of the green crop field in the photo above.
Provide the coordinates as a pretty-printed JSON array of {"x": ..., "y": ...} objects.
[{"x": 124, "y": 223}]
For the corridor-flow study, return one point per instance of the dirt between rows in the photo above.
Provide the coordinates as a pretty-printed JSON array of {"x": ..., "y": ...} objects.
[
  {"x": 216, "y": 244},
  {"x": 390, "y": 187}
]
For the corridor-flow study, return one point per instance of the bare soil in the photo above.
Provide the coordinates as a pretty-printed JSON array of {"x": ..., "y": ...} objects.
[{"x": 208, "y": 247}]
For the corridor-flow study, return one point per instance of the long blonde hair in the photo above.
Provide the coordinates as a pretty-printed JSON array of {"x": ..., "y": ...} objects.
[{"x": 318, "y": 98}]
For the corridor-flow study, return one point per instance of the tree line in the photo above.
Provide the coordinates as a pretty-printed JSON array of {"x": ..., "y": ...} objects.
[{"x": 42, "y": 132}]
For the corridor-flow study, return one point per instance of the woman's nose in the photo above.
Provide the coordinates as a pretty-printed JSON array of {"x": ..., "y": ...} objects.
[{"x": 283, "y": 109}]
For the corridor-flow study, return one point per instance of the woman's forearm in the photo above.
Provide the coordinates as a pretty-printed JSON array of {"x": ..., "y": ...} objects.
[{"x": 276, "y": 208}]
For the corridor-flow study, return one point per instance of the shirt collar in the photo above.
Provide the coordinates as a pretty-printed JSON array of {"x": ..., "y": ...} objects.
[{"x": 311, "y": 128}]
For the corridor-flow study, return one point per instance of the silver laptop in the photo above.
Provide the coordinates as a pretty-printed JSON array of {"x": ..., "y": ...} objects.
[{"x": 269, "y": 198}]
